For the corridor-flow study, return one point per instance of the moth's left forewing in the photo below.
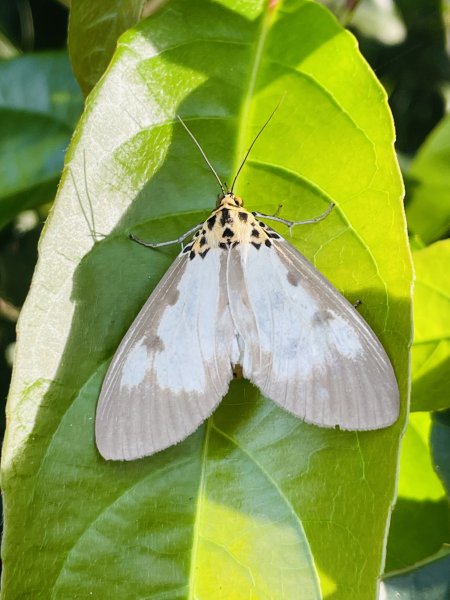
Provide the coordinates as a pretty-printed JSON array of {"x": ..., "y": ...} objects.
[
  {"x": 172, "y": 367},
  {"x": 305, "y": 346}
]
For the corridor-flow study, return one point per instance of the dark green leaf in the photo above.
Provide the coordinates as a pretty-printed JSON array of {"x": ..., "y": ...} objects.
[
  {"x": 94, "y": 28},
  {"x": 429, "y": 581},
  {"x": 240, "y": 506},
  {"x": 39, "y": 105},
  {"x": 41, "y": 84},
  {"x": 440, "y": 444}
]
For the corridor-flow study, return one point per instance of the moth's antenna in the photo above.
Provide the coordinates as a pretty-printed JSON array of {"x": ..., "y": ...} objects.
[
  {"x": 254, "y": 141},
  {"x": 203, "y": 154}
]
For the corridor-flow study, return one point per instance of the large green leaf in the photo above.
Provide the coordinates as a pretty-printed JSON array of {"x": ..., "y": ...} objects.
[
  {"x": 239, "y": 508},
  {"x": 39, "y": 106},
  {"x": 431, "y": 349},
  {"x": 428, "y": 210},
  {"x": 420, "y": 521}
]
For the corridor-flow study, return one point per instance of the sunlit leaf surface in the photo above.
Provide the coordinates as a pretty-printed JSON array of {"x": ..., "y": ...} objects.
[
  {"x": 431, "y": 349},
  {"x": 428, "y": 211}
]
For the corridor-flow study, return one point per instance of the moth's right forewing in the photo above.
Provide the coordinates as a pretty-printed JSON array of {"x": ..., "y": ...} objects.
[
  {"x": 173, "y": 366},
  {"x": 305, "y": 346}
]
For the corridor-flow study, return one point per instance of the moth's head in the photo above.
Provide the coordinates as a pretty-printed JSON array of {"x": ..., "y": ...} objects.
[{"x": 229, "y": 199}]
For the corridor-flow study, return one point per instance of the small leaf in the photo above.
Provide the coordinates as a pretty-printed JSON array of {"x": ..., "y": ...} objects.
[
  {"x": 39, "y": 105},
  {"x": 271, "y": 498},
  {"x": 94, "y": 28},
  {"x": 427, "y": 581},
  {"x": 41, "y": 84},
  {"x": 440, "y": 444},
  {"x": 428, "y": 211},
  {"x": 431, "y": 348}
]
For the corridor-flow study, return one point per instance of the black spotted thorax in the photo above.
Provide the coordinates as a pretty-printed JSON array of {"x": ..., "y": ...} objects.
[{"x": 229, "y": 225}]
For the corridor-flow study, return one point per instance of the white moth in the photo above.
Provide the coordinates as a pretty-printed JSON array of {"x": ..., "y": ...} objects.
[{"x": 240, "y": 294}]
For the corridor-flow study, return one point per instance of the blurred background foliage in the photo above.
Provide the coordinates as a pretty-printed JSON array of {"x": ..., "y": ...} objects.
[{"x": 406, "y": 43}]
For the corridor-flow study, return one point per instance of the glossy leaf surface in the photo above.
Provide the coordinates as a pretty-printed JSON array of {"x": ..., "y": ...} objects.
[
  {"x": 39, "y": 106},
  {"x": 94, "y": 28},
  {"x": 427, "y": 581}
]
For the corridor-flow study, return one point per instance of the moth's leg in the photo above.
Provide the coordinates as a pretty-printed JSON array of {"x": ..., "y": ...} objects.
[
  {"x": 357, "y": 303},
  {"x": 277, "y": 212},
  {"x": 292, "y": 224},
  {"x": 169, "y": 243},
  {"x": 88, "y": 216}
]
